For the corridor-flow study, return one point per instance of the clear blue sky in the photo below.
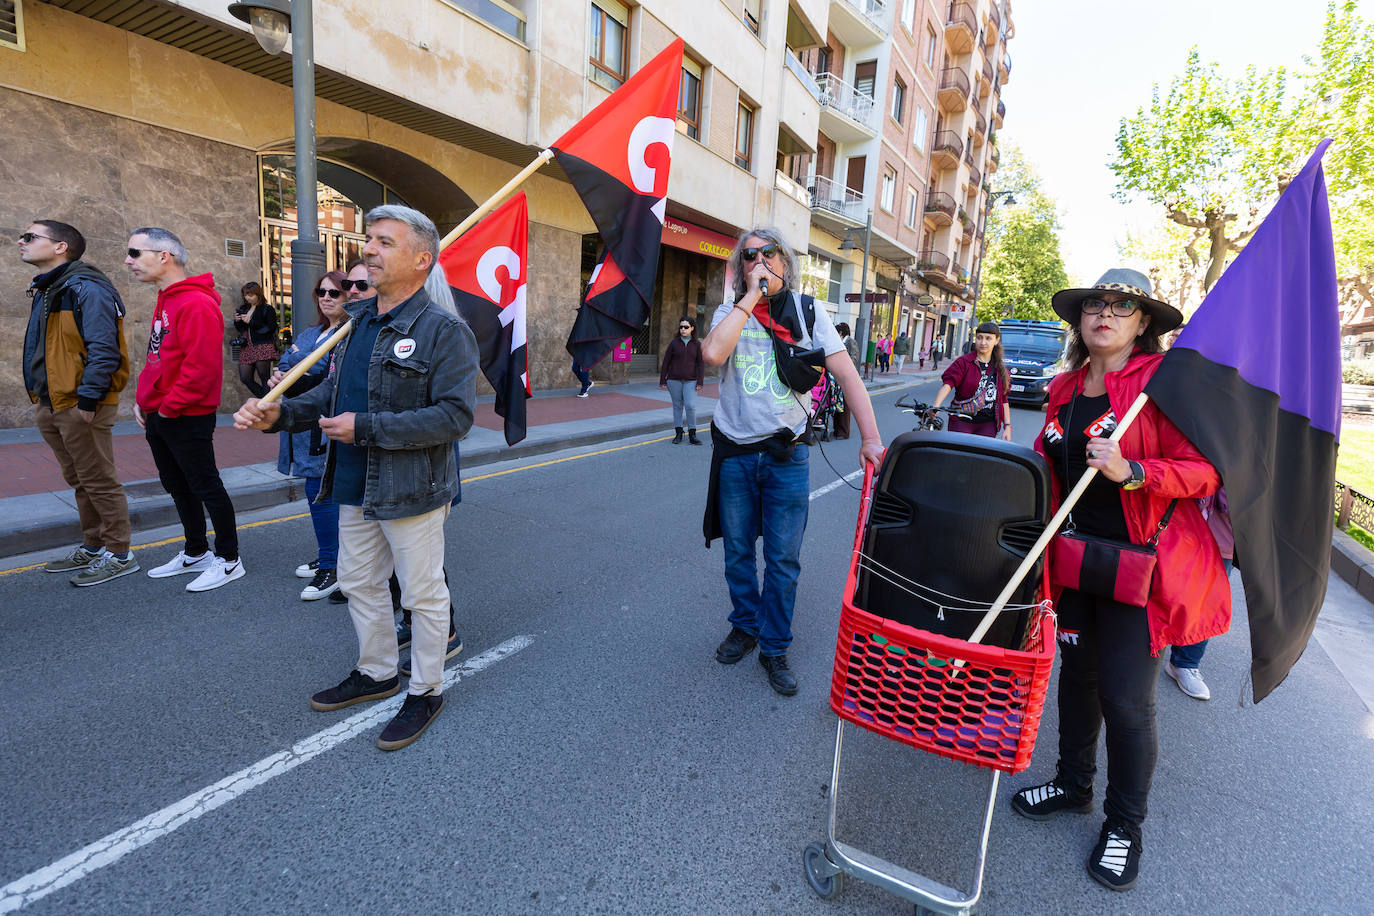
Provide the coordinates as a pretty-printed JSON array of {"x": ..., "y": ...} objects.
[{"x": 1078, "y": 67}]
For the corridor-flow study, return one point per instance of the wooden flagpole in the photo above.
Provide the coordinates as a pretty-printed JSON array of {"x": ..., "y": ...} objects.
[
  {"x": 330, "y": 342},
  {"x": 1053, "y": 526}
]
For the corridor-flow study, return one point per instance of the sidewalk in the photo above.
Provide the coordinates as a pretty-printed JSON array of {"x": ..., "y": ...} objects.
[{"x": 38, "y": 510}]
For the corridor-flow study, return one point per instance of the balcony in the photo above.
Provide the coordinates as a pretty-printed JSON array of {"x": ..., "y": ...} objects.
[
  {"x": 847, "y": 115},
  {"x": 994, "y": 23},
  {"x": 961, "y": 28},
  {"x": 993, "y": 157},
  {"x": 831, "y": 197},
  {"x": 1000, "y": 113},
  {"x": 940, "y": 208},
  {"x": 980, "y": 127},
  {"x": 946, "y": 150},
  {"x": 1004, "y": 67},
  {"x": 859, "y": 23},
  {"x": 954, "y": 89},
  {"x": 933, "y": 262},
  {"x": 975, "y": 178},
  {"x": 985, "y": 87}
]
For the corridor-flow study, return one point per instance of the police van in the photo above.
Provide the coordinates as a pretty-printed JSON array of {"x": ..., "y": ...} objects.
[{"x": 1034, "y": 352}]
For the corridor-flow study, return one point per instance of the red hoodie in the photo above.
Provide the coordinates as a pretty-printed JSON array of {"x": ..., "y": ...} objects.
[
  {"x": 185, "y": 367},
  {"x": 1190, "y": 599}
]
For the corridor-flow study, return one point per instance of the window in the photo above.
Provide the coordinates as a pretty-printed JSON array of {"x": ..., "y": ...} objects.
[
  {"x": 497, "y": 13},
  {"x": 744, "y": 136},
  {"x": 12, "y": 24},
  {"x": 913, "y": 207},
  {"x": 753, "y": 14},
  {"x": 689, "y": 99},
  {"x": 920, "y": 127},
  {"x": 823, "y": 60},
  {"x": 909, "y": 16},
  {"x": 865, "y": 76},
  {"x": 898, "y": 99},
  {"x": 610, "y": 28},
  {"x": 889, "y": 187},
  {"x": 821, "y": 278},
  {"x": 932, "y": 46}
]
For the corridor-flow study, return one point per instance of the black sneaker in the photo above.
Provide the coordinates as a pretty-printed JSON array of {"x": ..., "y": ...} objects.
[
  {"x": 780, "y": 677},
  {"x": 1115, "y": 860},
  {"x": 416, "y": 713},
  {"x": 356, "y": 688},
  {"x": 455, "y": 645},
  {"x": 323, "y": 585},
  {"x": 338, "y": 598},
  {"x": 1041, "y": 802},
  {"x": 737, "y": 645}
]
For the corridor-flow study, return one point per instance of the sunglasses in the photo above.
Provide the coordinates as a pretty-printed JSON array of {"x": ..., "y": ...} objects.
[
  {"x": 359, "y": 285},
  {"x": 1122, "y": 308},
  {"x": 138, "y": 252},
  {"x": 768, "y": 251},
  {"x": 30, "y": 236},
  {"x": 684, "y": 327},
  {"x": 321, "y": 293}
]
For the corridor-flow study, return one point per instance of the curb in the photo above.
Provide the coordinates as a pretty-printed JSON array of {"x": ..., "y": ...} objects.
[{"x": 1354, "y": 563}]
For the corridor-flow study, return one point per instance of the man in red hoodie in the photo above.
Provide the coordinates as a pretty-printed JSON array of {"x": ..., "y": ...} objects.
[{"x": 178, "y": 392}]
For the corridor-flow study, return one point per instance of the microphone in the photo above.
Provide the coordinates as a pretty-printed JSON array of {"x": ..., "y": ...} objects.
[{"x": 763, "y": 285}]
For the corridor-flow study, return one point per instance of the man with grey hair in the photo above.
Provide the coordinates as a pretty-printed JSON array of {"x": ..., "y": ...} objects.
[
  {"x": 402, "y": 393},
  {"x": 760, "y": 478},
  {"x": 178, "y": 394}
]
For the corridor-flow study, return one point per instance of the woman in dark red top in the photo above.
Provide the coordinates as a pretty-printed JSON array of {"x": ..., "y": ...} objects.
[
  {"x": 979, "y": 381},
  {"x": 683, "y": 374}
]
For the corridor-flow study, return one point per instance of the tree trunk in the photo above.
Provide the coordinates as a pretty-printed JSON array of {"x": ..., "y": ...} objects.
[{"x": 1218, "y": 246}]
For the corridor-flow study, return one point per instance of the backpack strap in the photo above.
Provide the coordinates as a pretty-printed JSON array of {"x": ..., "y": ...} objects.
[{"x": 806, "y": 304}]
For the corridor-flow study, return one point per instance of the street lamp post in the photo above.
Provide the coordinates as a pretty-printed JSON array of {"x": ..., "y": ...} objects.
[
  {"x": 271, "y": 21},
  {"x": 982, "y": 250},
  {"x": 861, "y": 331}
]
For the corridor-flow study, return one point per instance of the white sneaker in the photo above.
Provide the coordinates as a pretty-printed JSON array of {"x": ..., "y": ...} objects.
[
  {"x": 182, "y": 564},
  {"x": 220, "y": 573},
  {"x": 307, "y": 570},
  {"x": 1189, "y": 680}
]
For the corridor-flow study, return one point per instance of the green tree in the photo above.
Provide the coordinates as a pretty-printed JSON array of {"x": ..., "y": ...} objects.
[{"x": 1022, "y": 267}]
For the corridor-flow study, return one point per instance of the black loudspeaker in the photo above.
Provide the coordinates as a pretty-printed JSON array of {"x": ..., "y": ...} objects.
[{"x": 956, "y": 513}]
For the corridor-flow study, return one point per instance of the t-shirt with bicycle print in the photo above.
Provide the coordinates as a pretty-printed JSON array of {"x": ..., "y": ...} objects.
[{"x": 754, "y": 403}]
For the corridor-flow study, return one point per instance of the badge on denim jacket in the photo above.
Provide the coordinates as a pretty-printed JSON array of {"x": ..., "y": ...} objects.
[{"x": 404, "y": 348}]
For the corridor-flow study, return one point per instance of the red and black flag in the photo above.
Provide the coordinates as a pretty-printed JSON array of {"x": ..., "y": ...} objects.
[
  {"x": 1254, "y": 381},
  {"x": 611, "y": 309},
  {"x": 486, "y": 268},
  {"x": 617, "y": 158}
]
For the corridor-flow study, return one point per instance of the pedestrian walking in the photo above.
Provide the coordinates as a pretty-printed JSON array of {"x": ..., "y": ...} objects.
[
  {"x": 979, "y": 381},
  {"x": 177, "y": 395},
  {"x": 74, "y": 365},
  {"x": 901, "y": 348},
  {"x": 884, "y": 353},
  {"x": 870, "y": 358},
  {"x": 683, "y": 374},
  {"x": 256, "y": 323},
  {"x": 1146, "y": 491},
  {"x": 403, "y": 391},
  {"x": 935, "y": 352},
  {"x": 584, "y": 378},
  {"x": 924, "y": 355},
  {"x": 760, "y": 478},
  {"x": 302, "y": 454},
  {"x": 840, "y": 419}
]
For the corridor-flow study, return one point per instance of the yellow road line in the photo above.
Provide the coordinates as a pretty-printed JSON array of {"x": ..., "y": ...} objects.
[{"x": 292, "y": 518}]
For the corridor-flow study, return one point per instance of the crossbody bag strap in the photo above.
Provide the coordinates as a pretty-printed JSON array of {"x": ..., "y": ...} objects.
[{"x": 1163, "y": 523}]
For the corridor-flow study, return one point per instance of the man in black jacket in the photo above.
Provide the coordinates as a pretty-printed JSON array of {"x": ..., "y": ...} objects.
[{"x": 75, "y": 365}]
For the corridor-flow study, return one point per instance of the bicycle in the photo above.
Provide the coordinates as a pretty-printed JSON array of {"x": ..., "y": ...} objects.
[{"x": 928, "y": 416}]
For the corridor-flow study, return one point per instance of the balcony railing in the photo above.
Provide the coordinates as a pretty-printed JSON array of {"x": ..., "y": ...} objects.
[
  {"x": 987, "y": 71},
  {"x": 938, "y": 202},
  {"x": 953, "y": 79},
  {"x": 1001, "y": 111},
  {"x": 839, "y": 96},
  {"x": 1004, "y": 65},
  {"x": 980, "y": 123},
  {"x": 833, "y": 197},
  {"x": 936, "y": 261},
  {"x": 962, "y": 15},
  {"x": 975, "y": 178},
  {"x": 995, "y": 17},
  {"x": 947, "y": 148},
  {"x": 875, "y": 11}
]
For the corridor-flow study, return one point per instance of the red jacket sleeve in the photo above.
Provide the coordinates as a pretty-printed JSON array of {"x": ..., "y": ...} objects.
[{"x": 195, "y": 350}]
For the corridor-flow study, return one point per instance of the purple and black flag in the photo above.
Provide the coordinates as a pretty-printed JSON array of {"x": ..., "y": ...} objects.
[{"x": 1254, "y": 382}]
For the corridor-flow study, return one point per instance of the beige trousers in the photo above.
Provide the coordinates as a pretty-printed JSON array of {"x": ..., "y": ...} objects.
[
  {"x": 85, "y": 452},
  {"x": 414, "y": 547}
]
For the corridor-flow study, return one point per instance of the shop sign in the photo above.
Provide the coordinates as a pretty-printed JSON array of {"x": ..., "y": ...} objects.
[
  {"x": 872, "y": 297},
  {"x": 622, "y": 354},
  {"x": 958, "y": 310},
  {"x": 696, "y": 239}
]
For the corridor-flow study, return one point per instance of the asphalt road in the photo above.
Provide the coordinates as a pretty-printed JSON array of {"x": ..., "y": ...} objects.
[{"x": 593, "y": 757}]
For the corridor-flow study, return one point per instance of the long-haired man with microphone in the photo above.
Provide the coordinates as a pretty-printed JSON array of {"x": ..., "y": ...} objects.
[{"x": 760, "y": 480}]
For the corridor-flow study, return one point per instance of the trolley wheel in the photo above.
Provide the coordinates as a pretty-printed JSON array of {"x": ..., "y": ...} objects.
[{"x": 828, "y": 887}]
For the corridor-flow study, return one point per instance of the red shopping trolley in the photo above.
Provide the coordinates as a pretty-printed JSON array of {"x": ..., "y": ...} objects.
[{"x": 948, "y": 520}]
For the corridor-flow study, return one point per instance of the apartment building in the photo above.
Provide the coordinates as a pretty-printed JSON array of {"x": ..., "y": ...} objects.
[
  {"x": 910, "y": 94},
  {"x": 124, "y": 113}
]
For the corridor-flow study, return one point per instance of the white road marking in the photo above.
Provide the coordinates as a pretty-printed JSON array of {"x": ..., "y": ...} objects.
[
  {"x": 110, "y": 849},
  {"x": 836, "y": 483}
]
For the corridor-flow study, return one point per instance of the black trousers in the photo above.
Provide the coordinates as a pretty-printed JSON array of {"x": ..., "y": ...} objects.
[
  {"x": 1107, "y": 675},
  {"x": 184, "y": 452}
]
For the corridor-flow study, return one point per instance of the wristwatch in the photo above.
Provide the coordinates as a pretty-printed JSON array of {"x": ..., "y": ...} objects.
[{"x": 1137, "y": 478}]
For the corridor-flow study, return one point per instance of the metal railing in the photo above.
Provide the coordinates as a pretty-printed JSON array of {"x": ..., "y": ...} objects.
[
  {"x": 980, "y": 123},
  {"x": 936, "y": 261},
  {"x": 947, "y": 141},
  {"x": 1001, "y": 109},
  {"x": 962, "y": 14},
  {"x": 954, "y": 78},
  {"x": 834, "y": 197},
  {"x": 1353, "y": 506},
  {"x": 875, "y": 11},
  {"x": 975, "y": 177},
  {"x": 940, "y": 202},
  {"x": 841, "y": 97}
]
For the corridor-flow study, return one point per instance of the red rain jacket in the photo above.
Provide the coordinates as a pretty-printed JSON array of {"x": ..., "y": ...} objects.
[
  {"x": 185, "y": 365},
  {"x": 1191, "y": 599}
]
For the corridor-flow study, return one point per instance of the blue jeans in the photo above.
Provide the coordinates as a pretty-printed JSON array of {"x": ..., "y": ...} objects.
[
  {"x": 583, "y": 376},
  {"x": 760, "y": 495},
  {"x": 1191, "y": 656},
  {"x": 325, "y": 517},
  {"x": 684, "y": 395}
]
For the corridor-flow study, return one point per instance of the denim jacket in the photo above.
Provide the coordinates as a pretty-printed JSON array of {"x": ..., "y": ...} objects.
[{"x": 419, "y": 405}]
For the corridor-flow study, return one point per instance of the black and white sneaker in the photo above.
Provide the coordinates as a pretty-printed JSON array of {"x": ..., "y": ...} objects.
[
  {"x": 1041, "y": 802},
  {"x": 307, "y": 570},
  {"x": 325, "y": 583},
  {"x": 1115, "y": 860}
]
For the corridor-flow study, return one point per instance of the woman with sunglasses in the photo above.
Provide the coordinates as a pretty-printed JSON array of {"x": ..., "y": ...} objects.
[
  {"x": 256, "y": 322},
  {"x": 760, "y": 473},
  {"x": 302, "y": 454},
  {"x": 979, "y": 382},
  {"x": 683, "y": 374},
  {"x": 1147, "y": 488}
]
